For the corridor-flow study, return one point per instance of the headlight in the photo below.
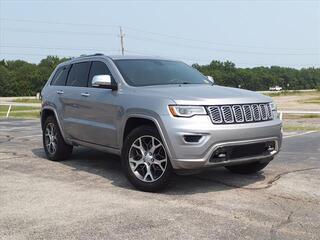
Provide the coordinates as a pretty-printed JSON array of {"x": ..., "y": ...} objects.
[
  {"x": 274, "y": 108},
  {"x": 187, "y": 111}
]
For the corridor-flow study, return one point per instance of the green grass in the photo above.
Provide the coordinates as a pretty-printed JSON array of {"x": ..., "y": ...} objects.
[
  {"x": 4, "y": 108},
  {"x": 33, "y": 114},
  {"x": 310, "y": 116},
  {"x": 301, "y": 127},
  {"x": 23, "y": 108},
  {"x": 313, "y": 100},
  {"x": 283, "y": 93},
  {"x": 20, "y": 111},
  {"x": 27, "y": 100},
  {"x": 295, "y": 116}
]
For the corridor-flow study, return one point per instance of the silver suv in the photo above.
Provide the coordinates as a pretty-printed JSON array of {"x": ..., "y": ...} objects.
[{"x": 161, "y": 116}]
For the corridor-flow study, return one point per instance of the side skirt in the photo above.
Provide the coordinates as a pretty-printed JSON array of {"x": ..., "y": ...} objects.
[{"x": 95, "y": 146}]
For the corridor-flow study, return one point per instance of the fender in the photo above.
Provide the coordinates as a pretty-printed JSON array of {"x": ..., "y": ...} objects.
[
  {"x": 58, "y": 121},
  {"x": 155, "y": 121}
]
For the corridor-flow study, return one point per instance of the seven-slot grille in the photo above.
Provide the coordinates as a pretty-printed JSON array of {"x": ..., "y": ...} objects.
[{"x": 240, "y": 113}]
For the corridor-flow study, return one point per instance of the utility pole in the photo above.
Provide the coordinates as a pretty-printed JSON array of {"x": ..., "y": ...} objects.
[{"x": 121, "y": 40}]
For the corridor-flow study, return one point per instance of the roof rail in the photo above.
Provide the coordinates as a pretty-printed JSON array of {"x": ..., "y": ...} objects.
[{"x": 90, "y": 55}]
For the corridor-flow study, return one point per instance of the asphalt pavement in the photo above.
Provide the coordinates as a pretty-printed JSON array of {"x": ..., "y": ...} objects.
[{"x": 87, "y": 197}]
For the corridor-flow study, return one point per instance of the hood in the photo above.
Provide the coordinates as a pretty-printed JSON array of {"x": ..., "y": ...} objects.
[{"x": 193, "y": 94}]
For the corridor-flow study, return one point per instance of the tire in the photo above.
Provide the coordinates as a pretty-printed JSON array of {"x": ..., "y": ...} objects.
[
  {"x": 248, "y": 168},
  {"x": 145, "y": 160},
  {"x": 58, "y": 149}
]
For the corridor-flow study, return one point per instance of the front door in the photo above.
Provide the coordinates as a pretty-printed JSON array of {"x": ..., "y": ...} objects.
[{"x": 91, "y": 111}]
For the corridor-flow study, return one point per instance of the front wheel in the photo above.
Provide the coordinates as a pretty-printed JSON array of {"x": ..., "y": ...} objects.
[
  {"x": 248, "y": 168},
  {"x": 145, "y": 160}
]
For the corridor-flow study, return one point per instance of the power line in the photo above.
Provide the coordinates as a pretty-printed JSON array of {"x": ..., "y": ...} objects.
[
  {"x": 213, "y": 43},
  {"x": 58, "y": 31},
  {"x": 214, "y": 49},
  {"x": 34, "y": 54},
  {"x": 168, "y": 0},
  {"x": 197, "y": 60},
  {"x": 181, "y": 58},
  {"x": 153, "y": 40},
  {"x": 155, "y": 33},
  {"x": 58, "y": 23},
  {"x": 59, "y": 48}
]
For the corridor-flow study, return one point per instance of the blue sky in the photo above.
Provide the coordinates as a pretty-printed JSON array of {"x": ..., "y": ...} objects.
[{"x": 248, "y": 33}]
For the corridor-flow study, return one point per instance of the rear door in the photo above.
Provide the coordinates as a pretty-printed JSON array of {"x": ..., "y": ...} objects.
[
  {"x": 57, "y": 89},
  {"x": 73, "y": 103}
]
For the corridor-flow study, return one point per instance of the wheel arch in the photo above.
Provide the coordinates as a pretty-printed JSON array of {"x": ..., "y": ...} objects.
[
  {"x": 49, "y": 111},
  {"x": 45, "y": 113},
  {"x": 136, "y": 120}
]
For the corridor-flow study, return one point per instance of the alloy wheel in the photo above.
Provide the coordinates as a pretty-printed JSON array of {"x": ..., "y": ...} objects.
[
  {"x": 148, "y": 158},
  {"x": 51, "y": 138}
]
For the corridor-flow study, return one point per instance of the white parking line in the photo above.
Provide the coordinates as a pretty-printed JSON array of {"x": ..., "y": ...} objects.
[{"x": 299, "y": 134}]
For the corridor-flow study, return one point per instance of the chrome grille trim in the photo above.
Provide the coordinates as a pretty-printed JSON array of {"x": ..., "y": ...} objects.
[
  {"x": 240, "y": 113},
  {"x": 269, "y": 111},
  {"x": 215, "y": 114},
  {"x": 263, "y": 112},
  {"x": 256, "y": 112},
  {"x": 227, "y": 114},
  {"x": 247, "y": 113}
]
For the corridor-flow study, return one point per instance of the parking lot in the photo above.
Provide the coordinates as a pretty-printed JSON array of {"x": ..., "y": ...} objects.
[{"x": 87, "y": 197}]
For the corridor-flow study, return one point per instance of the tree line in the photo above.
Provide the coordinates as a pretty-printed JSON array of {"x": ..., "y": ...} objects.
[
  {"x": 261, "y": 78},
  {"x": 20, "y": 78}
]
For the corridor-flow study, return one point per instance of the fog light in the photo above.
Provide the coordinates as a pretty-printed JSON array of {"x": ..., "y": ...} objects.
[
  {"x": 270, "y": 149},
  {"x": 270, "y": 146},
  {"x": 222, "y": 155},
  {"x": 192, "y": 138}
]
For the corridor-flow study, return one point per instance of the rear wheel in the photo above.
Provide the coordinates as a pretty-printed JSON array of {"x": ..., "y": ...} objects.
[
  {"x": 54, "y": 145},
  {"x": 145, "y": 160},
  {"x": 248, "y": 168}
]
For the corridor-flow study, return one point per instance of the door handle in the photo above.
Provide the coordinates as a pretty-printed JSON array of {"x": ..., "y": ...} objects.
[
  {"x": 59, "y": 92},
  {"x": 85, "y": 94}
]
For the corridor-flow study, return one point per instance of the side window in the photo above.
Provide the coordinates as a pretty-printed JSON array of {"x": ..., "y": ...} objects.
[
  {"x": 78, "y": 76},
  {"x": 99, "y": 68},
  {"x": 60, "y": 77}
]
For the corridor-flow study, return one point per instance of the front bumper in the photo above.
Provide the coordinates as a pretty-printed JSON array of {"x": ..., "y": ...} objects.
[{"x": 195, "y": 155}]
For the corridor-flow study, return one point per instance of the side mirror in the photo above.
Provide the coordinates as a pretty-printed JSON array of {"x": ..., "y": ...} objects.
[
  {"x": 210, "y": 79},
  {"x": 103, "y": 81}
]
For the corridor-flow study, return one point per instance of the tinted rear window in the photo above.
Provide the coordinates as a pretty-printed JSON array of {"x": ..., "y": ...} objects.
[
  {"x": 60, "y": 77},
  {"x": 78, "y": 75}
]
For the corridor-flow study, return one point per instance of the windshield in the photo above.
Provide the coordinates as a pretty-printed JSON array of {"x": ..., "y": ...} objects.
[{"x": 146, "y": 72}]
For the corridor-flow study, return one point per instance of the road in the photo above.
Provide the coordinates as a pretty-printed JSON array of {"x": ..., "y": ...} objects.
[{"x": 87, "y": 197}]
